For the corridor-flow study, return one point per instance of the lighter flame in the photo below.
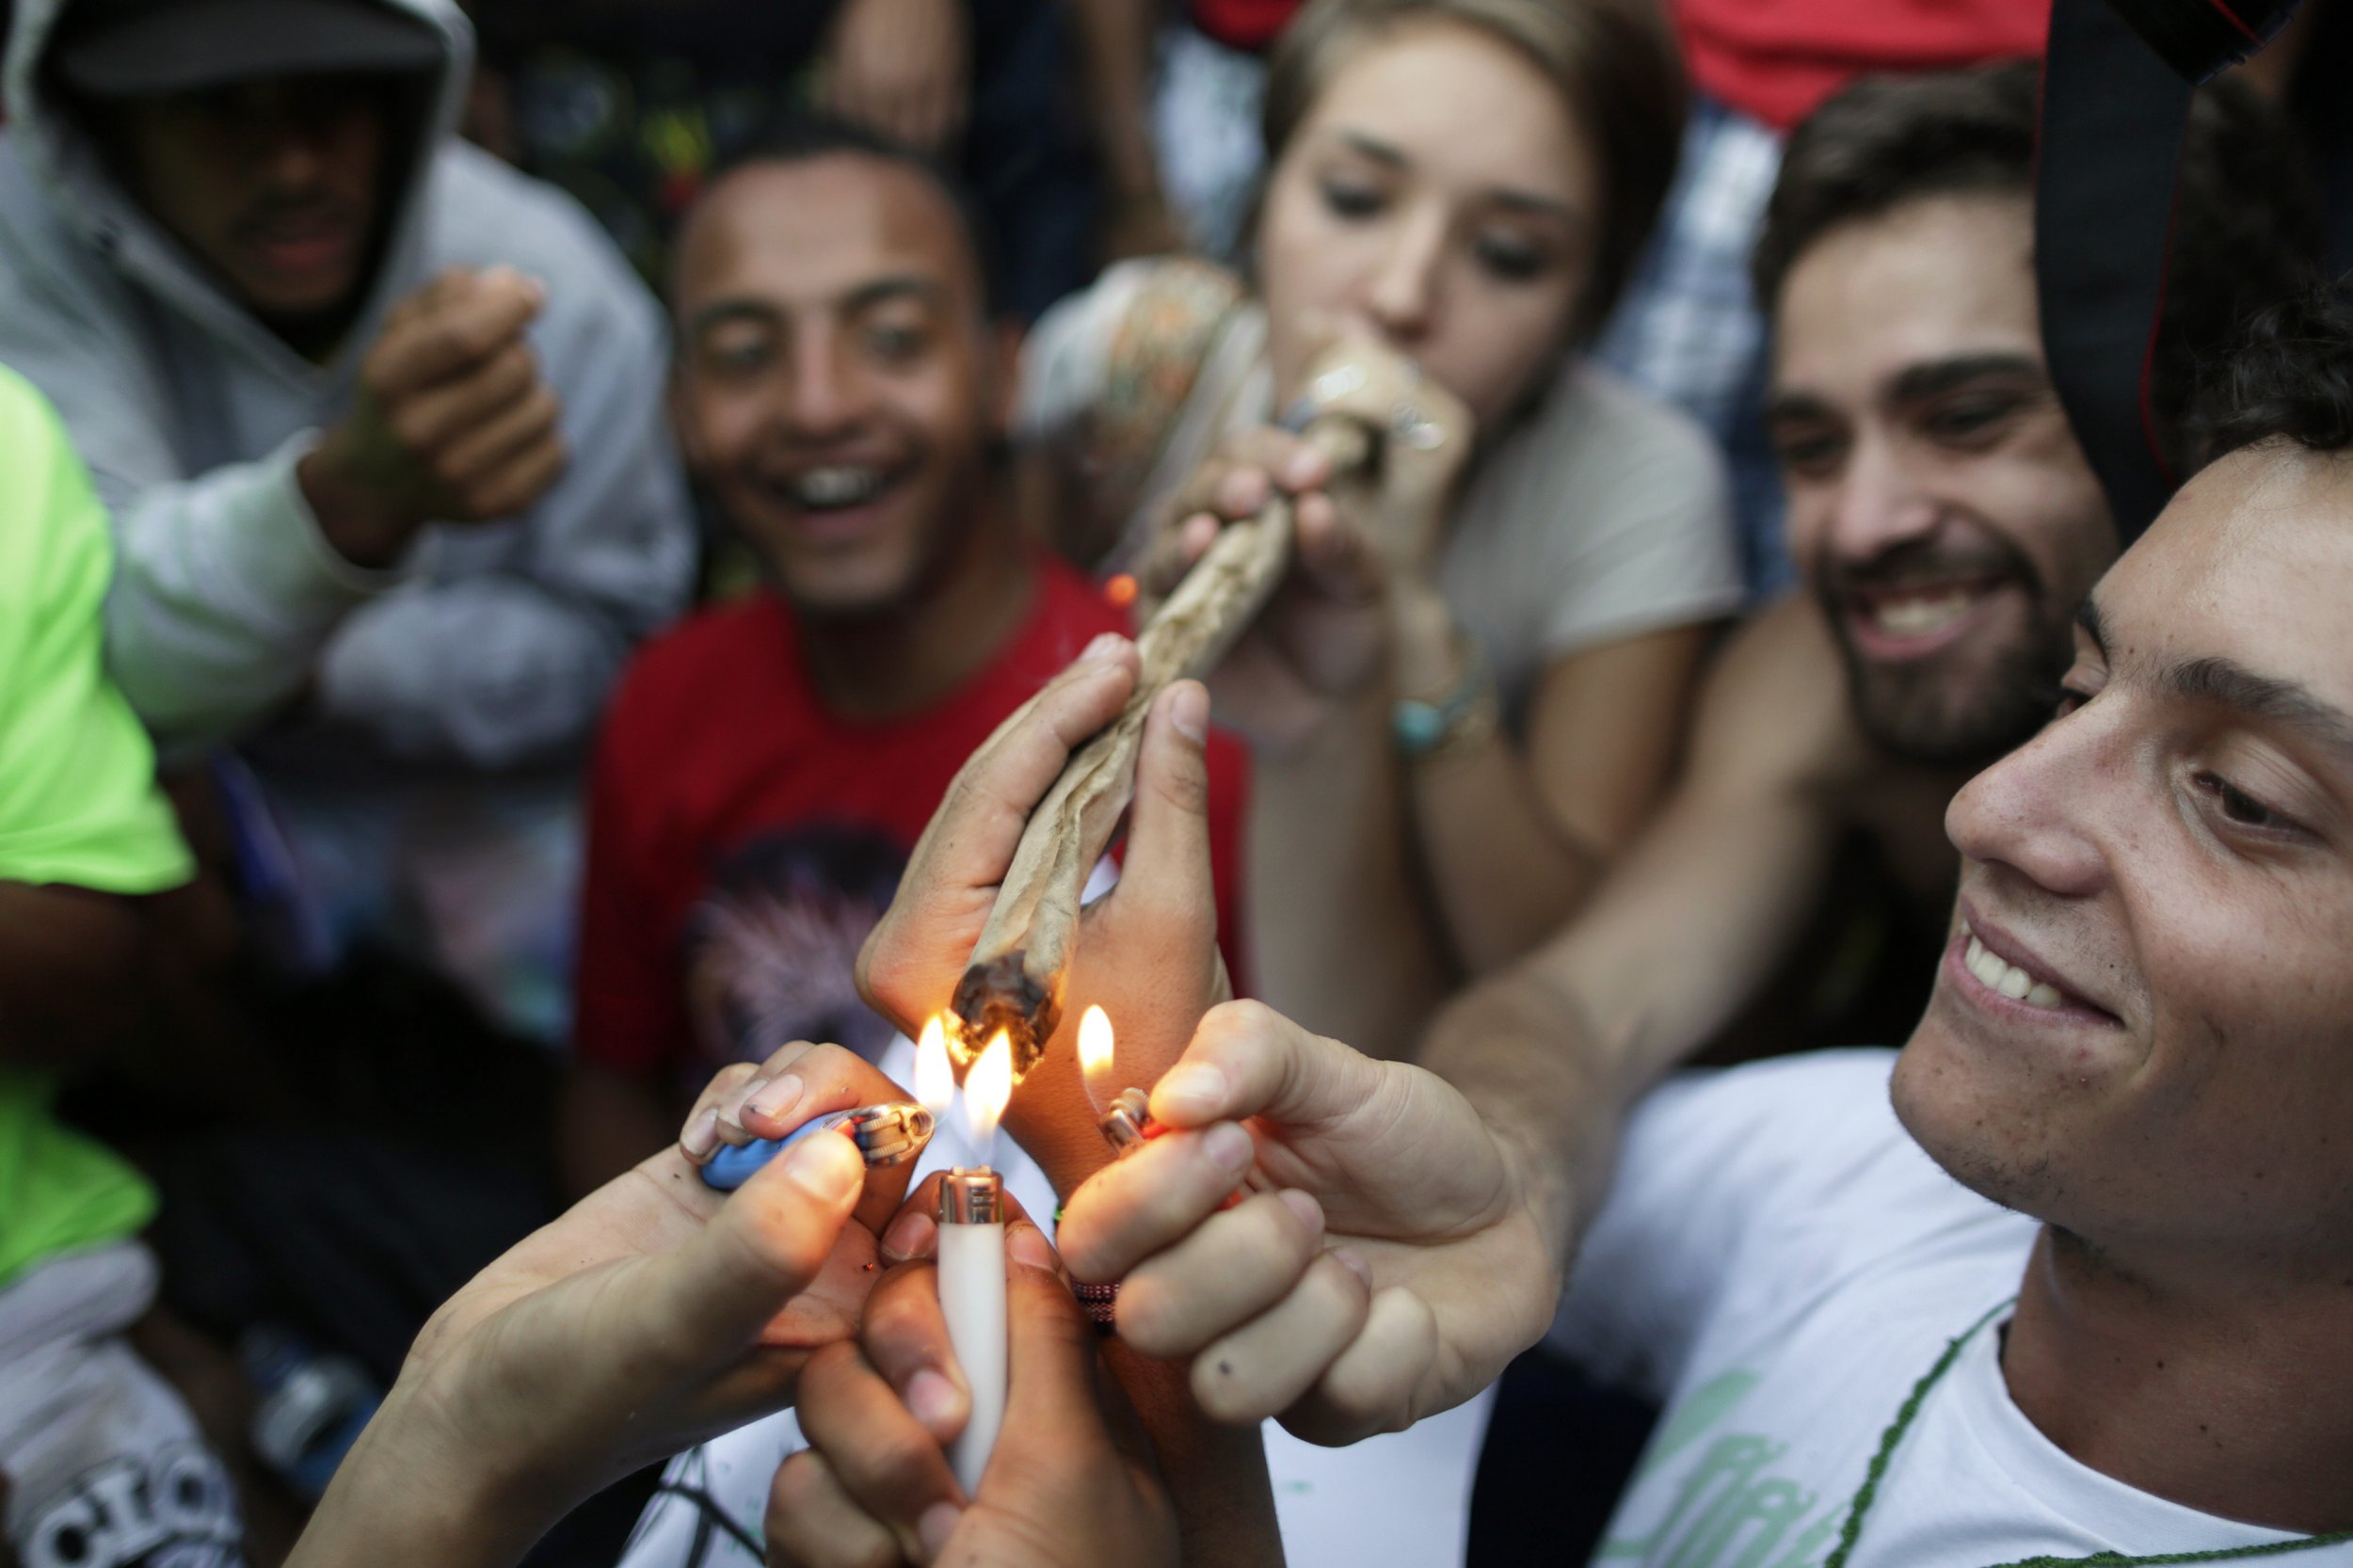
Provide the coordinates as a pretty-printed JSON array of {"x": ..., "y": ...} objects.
[
  {"x": 934, "y": 1075},
  {"x": 1095, "y": 1054},
  {"x": 986, "y": 1088}
]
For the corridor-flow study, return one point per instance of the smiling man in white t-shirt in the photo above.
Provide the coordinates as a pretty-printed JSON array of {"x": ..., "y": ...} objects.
[{"x": 2139, "y": 1037}]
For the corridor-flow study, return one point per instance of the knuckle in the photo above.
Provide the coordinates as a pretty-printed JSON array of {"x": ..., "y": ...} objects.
[
  {"x": 1223, "y": 1388},
  {"x": 515, "y": 365},
  {"x": 1186, "y": 788},
  {"x": 1151, "y": 1322},
  {"x": 1241, "y": 1019},
  {"x": 1290, "y": 1244},
  {"x": 897, "y": 1318},
  {"x": 789, "y": 1053},
  {"x": 410, "y": 427},
  {"x": 723, "y": 1085},
  {"x": 830, "y": 1372},
  {"x": 802, "y": 1483},
  {"x": 899, "y": 1457},
  {"x": 471, "y": 337},
  {"x": 825, "y": 1061}
]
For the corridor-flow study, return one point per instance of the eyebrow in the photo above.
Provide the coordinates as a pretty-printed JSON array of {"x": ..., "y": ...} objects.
[
  {"x": 720, "y": 311},
  {"x": 2267, "y": 697},
  {"x": 865, "y": 297},
  {"x": 1784, "y": 407},
  {"x": 1920, "y": 382},
  {"x": 882, "y": 291},
  {"x": 1915, "y": 384},
  {"x": 1503, "y": 196},
  {"x": 2227, "y": 683}
]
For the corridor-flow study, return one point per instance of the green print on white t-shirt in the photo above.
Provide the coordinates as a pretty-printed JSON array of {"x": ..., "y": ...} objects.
[{"x": 1727, "y": 1513}]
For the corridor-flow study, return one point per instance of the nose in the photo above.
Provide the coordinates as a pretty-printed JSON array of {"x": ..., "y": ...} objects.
[
  {"x": 293, "y": 132},
  {"x": 1401, "y": 296},
  {"x": 2047, "y": 809},
  {"x": 1878, "y": 504},
  {"x": 828, "y": 396}
]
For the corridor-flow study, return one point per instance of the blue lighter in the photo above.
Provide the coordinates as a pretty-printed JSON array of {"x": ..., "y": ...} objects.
[{"x": 884, "y": 1135}]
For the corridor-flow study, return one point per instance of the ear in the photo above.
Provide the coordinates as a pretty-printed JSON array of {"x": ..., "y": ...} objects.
[{"x": 1005, "y": 389}]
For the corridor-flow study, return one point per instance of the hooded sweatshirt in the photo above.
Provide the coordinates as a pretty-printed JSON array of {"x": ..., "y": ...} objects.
[{"x": 488, "y": 646}]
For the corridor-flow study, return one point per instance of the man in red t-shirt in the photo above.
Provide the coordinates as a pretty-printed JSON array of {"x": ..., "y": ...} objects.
[{"x": 842, "y": 393}]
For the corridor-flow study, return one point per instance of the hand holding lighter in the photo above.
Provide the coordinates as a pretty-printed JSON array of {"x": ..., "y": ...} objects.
[
  {"x": 972, "y": 1297},
  {"x": 887, "y": 1134},
  {"x": 1127, "y": 1125}
]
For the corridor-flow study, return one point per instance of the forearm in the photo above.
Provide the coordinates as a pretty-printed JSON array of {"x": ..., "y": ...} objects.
[
  {"x": 1503, "y": 873},
  {"x": 1340, "y": 941},
  {"x": 375, "y": 1512},
  {"x": 1553, "y": 1050},
  {"x": 1527, "y": 1058},
  {"x": 74, "y": 974},
  {"x": 1216, "y": 1474},
  {"x": 224, "y": 593},
  {"x": 1116, "y": 40},
  {"x": 1515, "y": 832}
]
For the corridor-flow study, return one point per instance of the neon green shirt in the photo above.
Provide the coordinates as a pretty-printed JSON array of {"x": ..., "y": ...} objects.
[{"x": 78, "y": 803}]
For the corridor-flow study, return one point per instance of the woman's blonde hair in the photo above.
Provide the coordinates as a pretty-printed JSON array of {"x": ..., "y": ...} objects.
[{"x": 1614, "y": 61}]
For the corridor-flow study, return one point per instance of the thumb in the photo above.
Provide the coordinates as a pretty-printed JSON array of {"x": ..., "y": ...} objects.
[
  {"x": 1167, "y": 868},
  {"x": 767, "y": 1242},
  {"x": 1050, "y": 1369},
  {"x": 1247, "y": 1060}
]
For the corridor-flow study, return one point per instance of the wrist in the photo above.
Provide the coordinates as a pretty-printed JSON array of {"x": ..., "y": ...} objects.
[
  {"x": 352, "y": 515},
  {"x": 1057, "y": 1128},
  {"x": 1462, "y": 721},
  {"x": 1425, "y": 648},
  {"x": 412, "y": 1449},
  {"x": 1216, "y": 1474}
]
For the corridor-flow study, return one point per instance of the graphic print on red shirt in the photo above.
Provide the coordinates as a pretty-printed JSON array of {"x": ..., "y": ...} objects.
[{"x": 743, "y": 840}]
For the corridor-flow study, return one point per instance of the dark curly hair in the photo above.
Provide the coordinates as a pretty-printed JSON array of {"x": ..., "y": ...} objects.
[
  {"x": 2289, "y": 377},
  {"x": 798, "y": 136},
  {"x": 2247, "y": 226}
]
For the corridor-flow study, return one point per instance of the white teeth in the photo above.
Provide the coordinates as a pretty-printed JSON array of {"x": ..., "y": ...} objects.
[
  {"x": 836, "y": 487},
  {"x": 1917, "y": 618},
  {"x": 2009, "y": 978}
]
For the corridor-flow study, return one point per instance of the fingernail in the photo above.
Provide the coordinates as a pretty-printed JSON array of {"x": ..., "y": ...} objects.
[
  {"x": 1228, "y": 1147},
  {"x": 1300, "y": 469},
  {"x": 937, "y": 1525},
  {"x": 1029, "y": 1247},
  {"x": 913, "y": 1234},
  {"x": 826, "y": 1168},
  {"x": 932, "y": 1400},
  {"x": 731, "y": 1110},
  {"x": 776, "y": 1097},
  {"x": 1194, "y": 1091},
  {"x": 1354, "y": 1264},
  {"x": 1101, "y": 648},
  {"x": 1309, "y": 1211},
  {"x": 700, "y": 1137},
  {"x": 1189, "y": 711}
]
